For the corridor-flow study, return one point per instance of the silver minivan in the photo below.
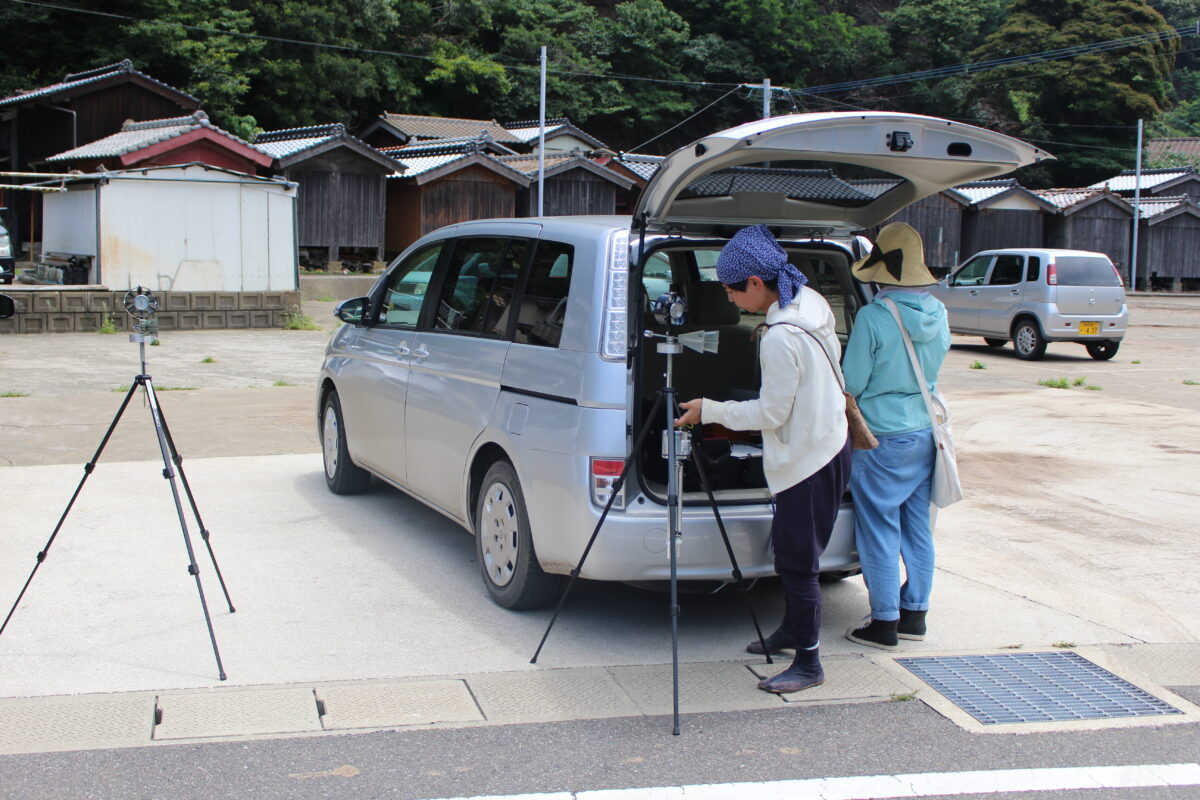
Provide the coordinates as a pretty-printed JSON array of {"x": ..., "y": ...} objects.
[
  {"x": 499, "y": 370},
  {"x": 1033, "y": 296}
]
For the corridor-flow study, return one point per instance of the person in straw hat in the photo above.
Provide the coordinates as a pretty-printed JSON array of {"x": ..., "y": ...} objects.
[
  {"x": 801, "y": 411},
  {"x": 891, "y": 483}
]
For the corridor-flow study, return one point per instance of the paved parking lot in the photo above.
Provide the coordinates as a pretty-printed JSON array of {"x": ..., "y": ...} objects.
[{"x": 1079, "y": 530}]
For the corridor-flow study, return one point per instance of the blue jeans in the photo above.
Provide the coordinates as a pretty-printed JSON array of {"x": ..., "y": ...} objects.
[{"x": 890, "y": 485}]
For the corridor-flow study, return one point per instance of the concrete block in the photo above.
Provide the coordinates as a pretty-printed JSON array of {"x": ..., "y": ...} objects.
[
  {"x": 168, "y": 322},
  {"x": 45, "y": 302},
  {"x": 262, "y": 319},
  {"x": 250, "y": 300},
  {"x": 203, "y": 301},
  {"x": 213, "y": 320},
  {"x": 31, "y": 323},
  {"x": 9, "y": 325},
  {"x": 237, "y": 319},
  {"x": 189, "y": 320},
  {"x": 60, "y": 323},
  {"x": 175, "y": 301},
  {"x": 274, "y": 300},
  {"x": 225, "y": 301},
  {"x": 104, "y": 301},
  {"x": 88, "y": 322},
  {"x": 73, "y": 301}
]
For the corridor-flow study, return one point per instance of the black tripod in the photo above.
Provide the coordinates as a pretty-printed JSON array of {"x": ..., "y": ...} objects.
[
  {"x": 675, "y": 443},
  {"x": 170, "y": 456}
]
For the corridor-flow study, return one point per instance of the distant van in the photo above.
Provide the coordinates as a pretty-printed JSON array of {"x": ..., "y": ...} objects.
[
  {"x": 1033, "y": 296},
  {"x": 7, "y": 257}
]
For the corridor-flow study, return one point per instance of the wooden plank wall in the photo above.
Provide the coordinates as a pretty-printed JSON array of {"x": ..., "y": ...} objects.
[
  {"x": 987, "y": 229},
  {"x": 471, "y": 193},
  {"x": 1170, "y": 248},
  {"x": 574, "y": 192},
  {"x": 340, "y": 202},
  {"x": 1103, "y": 227},
  {"x": 939, "y": 221}
]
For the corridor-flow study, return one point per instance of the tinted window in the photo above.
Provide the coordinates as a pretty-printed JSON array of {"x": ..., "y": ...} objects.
[
  {"x": 481, "y": 279},
  {"x": 1085, "y": 271},
  {"x": 406, "y": 286},
  {"x": 656, "y": 277},
  {"x": 1033, "y": 268},
  {"x": 973, "y": 272},
  {"x": 543, "y": 304},
  {"x": 1007, "y": 270}
]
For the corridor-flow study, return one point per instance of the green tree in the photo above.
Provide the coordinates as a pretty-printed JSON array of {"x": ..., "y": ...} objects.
[{"x": 1085, "y": 107}]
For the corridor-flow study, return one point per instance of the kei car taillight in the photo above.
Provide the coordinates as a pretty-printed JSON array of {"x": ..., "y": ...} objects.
[
  {"x": 1051, "y": 274},
  {"x": 616, "y": 298},
  {"x": 605, "y": 472}
]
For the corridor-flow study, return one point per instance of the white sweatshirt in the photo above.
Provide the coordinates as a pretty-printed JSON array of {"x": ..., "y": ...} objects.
[{"x": 800, "y": 409}]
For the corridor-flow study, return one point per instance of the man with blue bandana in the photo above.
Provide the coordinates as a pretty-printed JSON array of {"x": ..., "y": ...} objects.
[{"x": 801, "y": 412}]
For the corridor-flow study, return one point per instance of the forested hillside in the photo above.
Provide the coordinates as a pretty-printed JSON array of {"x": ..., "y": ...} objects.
[{"x": 1072, "y": 75}]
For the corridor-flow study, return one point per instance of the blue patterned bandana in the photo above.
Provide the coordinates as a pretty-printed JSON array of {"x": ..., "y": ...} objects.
[{"x": 754, "y": 251}]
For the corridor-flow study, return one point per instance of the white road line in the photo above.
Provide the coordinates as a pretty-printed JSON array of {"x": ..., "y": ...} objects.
[{"x": 886, "y": 787}]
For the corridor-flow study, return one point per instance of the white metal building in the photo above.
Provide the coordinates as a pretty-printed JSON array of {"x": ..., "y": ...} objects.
[{"x": 186, "y": 228}]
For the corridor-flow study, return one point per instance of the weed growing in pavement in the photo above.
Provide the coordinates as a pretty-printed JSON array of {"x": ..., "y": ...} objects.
[
  {"x": 326, "y": 299},
  {"x": 282, "y": 383},
  {"x": 1135, "y": 361},
  {"x": 1079, "y": 382},
  {"x": 297, "y": 320},
  {"x": 156, "y": 342},
  {"x": 1063, "y": 645},
  {"x": 1191, "y": 383},
  {"x": 208, "y": 360},
  {"x": 106, "y": 324},
  {"x": 903, "y": 698},
  {"x": 978, "y": 365},
  {"x": 1091, "y": 387},
  {"x": 1055, "y": 383},
  {"x": 15, "y": 394}
]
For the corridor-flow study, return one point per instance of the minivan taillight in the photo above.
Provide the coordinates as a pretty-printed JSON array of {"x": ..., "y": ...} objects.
[
  {"x": 1051, "y": 274},
  {"x": 616, "y": 298},
  {"x": 605, "y": 472}
]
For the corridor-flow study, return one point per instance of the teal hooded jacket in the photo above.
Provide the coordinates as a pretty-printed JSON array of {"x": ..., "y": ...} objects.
[{"x": 878, "y": 371}]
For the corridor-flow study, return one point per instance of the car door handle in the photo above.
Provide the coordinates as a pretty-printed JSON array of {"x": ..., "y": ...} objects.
[
  {"x": 403, "y": 349},
  {"x": 1015, "y": 292},
  {"x": 974, "y": 293},
  {"x": 420, "y": 352}
]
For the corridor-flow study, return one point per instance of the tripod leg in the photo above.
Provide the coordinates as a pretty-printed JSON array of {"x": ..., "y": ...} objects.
[
  {"x": 187, "y": 489},
  {"x": 87, "y": 471},
  {"x": 737, "y": 572},
  {"x": 169, "y": 474},
  {"x": 620, "y": 483},
  {"x": 675, "y": 531}
]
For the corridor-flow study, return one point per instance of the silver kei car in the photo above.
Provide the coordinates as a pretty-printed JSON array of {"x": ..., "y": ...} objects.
[{"x": 499, "y": 372}]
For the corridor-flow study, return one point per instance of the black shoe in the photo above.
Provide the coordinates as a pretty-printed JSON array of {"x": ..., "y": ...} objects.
[
  {"x": 777, "y": 642},
  {"x": 876, "y": 633},
  {"x": 804, "y": 673},
  {"x": 912, "y": 625}
]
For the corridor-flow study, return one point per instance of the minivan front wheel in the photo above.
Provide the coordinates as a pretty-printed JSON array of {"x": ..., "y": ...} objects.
[
  {"x": 504, "y": 545},
  {"x": 1028, "y": 340},
  {"x": 342, "y": 475},
  {"x": 1102, "y": 351}
]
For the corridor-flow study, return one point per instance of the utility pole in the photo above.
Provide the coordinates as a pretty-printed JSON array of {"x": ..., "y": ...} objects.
[
  {"x": 542, "y": 137},
  {"x": 766, "y": 89},
  {"x": 1137, "y": 211}
]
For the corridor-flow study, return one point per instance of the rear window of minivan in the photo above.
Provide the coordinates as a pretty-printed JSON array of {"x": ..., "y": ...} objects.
[{"x": 1085, "y": 271}]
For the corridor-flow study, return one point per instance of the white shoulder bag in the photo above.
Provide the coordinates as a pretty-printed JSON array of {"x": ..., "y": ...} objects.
[{"x": 945, "y": 488}]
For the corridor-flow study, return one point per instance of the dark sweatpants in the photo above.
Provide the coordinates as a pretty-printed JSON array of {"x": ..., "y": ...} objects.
[{"x": 804, "y": 518}]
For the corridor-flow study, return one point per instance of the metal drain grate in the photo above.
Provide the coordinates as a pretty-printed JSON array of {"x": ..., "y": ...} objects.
[{"x": 1034, "y": 687}]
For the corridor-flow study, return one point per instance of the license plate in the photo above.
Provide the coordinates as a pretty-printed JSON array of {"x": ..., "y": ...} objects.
[{"x": 1089, "y": 328}]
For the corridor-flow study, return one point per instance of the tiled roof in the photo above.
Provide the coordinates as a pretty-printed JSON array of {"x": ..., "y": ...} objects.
[
  {"x": 527, "y": 131},
  {"x": 562, "y": 162},
  {"x": 979, "y": 191},
  {"x": 279, "y": 144},
  {"x": 1066, "y": 198},
  {"x": 77, "y": 79},
  {"x": 422, "y": 164},
  {"x": 875, "y": 186},
  {"x": 137, "y": 135},
  {"x": 432, "y": 147},
  {"x": 1183, "y": 146},
  {"x": 529, "y": 163},
  {"x": 819, "y": 185},
  {"x": 1126, "y": 181},
  {"x": 447, "y": 127},
  {"x": 640, "y": 165},
  {"x": 1148, "y": 209}
]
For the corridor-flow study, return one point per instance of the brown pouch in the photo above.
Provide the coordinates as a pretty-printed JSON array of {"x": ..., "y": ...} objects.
[{"x": 861, "y": 437}]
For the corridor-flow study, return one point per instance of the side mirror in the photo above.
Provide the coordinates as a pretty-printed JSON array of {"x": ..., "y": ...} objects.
[
  {"x": 8, "y": 307},
  {"x": 352, "y": 311}
]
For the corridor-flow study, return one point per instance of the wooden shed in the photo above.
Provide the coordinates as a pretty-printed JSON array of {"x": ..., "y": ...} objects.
[
  {"x": 82, "y": 107},
  {"x": 342, "y": 191},
  {"x": 162, "y": 143},
  {"x": 1167, "y": 182},
  {"x": 1002, "y": 213},
  {"x": 561, "y": 136},
  {"x": 938, "y": 218},
  {"x": 443, "y": 184},
  {"x": 574, "y": 185},
  {"x": 1169, "y": 244},
  {"x": 1090, "y": 219}
]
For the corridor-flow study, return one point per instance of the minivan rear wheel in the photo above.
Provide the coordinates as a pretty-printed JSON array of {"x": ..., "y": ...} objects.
[
  {"x": 1102, "y": 351},
  {"x": 504, "y": 545},
  {"x": 342, "y": 475},
  {"x": 1028, "y": 340},
  {"x": 995, "y": 342}
]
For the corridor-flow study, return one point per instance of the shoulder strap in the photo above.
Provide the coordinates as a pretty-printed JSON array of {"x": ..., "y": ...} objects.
[
  {"x": 836, "y": 372},
  {"x": 912, "y": 356}
]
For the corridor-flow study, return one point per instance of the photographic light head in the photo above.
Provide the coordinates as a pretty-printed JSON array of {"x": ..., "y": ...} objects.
[{"x": 669, "y": 309}]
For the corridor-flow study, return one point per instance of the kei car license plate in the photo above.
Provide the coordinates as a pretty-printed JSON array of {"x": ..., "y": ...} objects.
[{"x": 1089, "y": 328}]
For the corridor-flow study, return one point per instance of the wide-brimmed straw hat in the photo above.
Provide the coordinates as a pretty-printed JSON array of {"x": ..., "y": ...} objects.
[{"x": 898, "y": 259}]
